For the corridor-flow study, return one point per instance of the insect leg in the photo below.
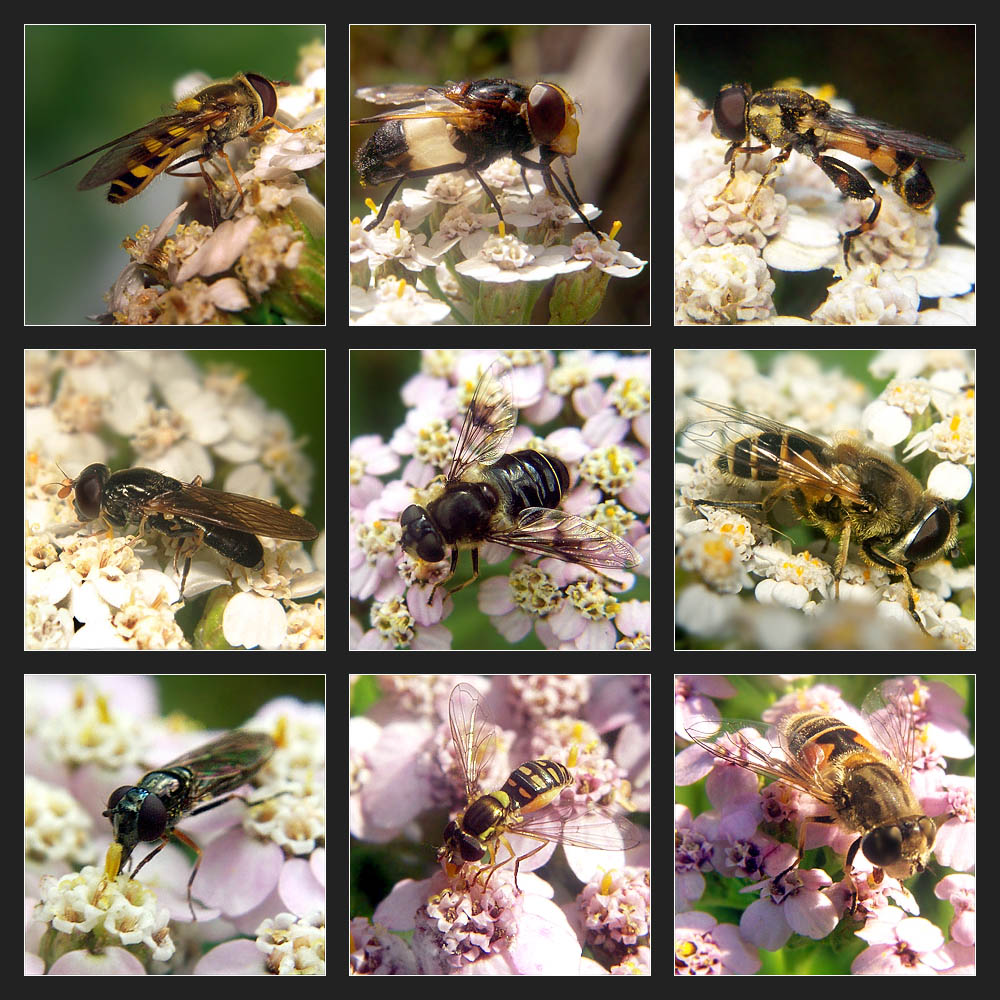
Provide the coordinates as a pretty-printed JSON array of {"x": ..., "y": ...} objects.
[
  {"x": 184, "y": 839},
  {"x": 771, "y": 167},
  {"x": 428, "y": 172},
  {"x": 475, "y": 572},
  {"x": 152, "y": 854},
  {"x": 852, "y": 184},
  {"x": 895, "y": 570}
]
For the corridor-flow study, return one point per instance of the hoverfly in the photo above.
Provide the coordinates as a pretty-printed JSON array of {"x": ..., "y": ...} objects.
[
  {"x": 489, "y": 496},
  {"x": 201, "y": 125},
  {"x": 151, "y": 809},
  {"x": 195, "y": 514},
  {"x": 531, "y": 804},
  {"x": 847, "y": 489},
  {"x": 862, "y": 779},
  {"x": 466, "y": 126},
  {"x": 795, "y": 120}
]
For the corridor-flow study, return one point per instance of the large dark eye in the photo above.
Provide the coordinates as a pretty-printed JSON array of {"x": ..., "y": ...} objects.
[
  {"x": 152, "y": 818},
  {"x": 546, "y": 113},
  {"x": 268, "y": 98},
  {"x": 884, "y": 846},
  {"x": 729, "y": 112},
  {"x": 88, "y": 491},
  {"x": 420, "y": 538},
  {"x": 115, "y": 797},
  {"x": 932, "y": 535}
]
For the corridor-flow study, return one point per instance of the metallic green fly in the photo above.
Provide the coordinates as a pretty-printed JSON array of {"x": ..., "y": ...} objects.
[{"x": 150, "y": 810}]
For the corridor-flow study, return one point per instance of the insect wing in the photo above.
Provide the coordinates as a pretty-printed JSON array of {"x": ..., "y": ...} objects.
[
  {"x": 792, "y": 455},
  {"x": 226, "y": 763},
  {"x": 162, "y": 140},
  {"x": 489, "y": 421},
  {"x": 400, "y": 93},
  {"x": 891, "y": 712},
  {"x": 868, "y": 130},
  {"x": 433, "y": 103},
  {"x": 559, "y": 535},
  {"x": 576, "y": 825},
  {"x": 231, "y": 510},
  {"x": 756, "y": 747},
  {"x": 473, "y": 734}
]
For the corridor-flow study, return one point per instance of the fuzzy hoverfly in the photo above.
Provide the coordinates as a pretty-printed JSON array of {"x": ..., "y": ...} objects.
[
  {"x": 489, "y": 496},
  {"x": 535, "y": 802},
  {"x": 200, "y": 125},
  {"x": 846, "y": 488},
  {"x": 860, "y": 779}
]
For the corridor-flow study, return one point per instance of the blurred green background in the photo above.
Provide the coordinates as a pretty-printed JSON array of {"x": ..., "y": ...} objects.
[
  {"x": 87, "y": 85},
  {"x": 227, "y": 701}
]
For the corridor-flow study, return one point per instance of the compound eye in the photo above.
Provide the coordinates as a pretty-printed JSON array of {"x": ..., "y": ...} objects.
[
  {"x": 152, "y": 818},
  {"x": 88, "y": 491},
  {"x": 729, "y": 112},
  {"x": 470, "y": 849},
  {"x": 115, "y": 797},
  {"x": 546, "y": 112},
  {"x": 884, "y": 846},
  {"x": 420, "y": 538},
  {"x": 268, "y": 97},
  {"x": 932, "y": 536}
]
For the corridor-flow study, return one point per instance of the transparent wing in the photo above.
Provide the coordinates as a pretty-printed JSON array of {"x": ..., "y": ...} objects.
[
  {"x": 232, "y": 510},
  {"x": 489, "y": 421},
  {"x": 568, "y": 537},
  {"x": 579, "y": 825},
  {"x": 422, "y": 102},
  {"x": 839, "y": 124},
  {"x": 756, "y": 747},
  {"x": 404, "y": 93},
  {"x": 791, "y": 455},
  {"x": 474, "y": 735},
  {"x": 173, "y": 134},
  {"x": 891, "y": 709},
  {"x": 225, "y": 763}
]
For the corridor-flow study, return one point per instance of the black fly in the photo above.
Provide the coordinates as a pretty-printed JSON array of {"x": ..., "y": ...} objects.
[
  {"x": 227, "y": 522},
  {"x": 149, "y": 810}
]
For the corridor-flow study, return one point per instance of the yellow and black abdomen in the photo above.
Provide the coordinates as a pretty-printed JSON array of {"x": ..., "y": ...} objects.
[{"x": 536, "y": 783}]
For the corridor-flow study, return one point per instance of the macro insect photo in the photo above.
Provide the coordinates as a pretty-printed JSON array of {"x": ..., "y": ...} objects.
[
  {"x": 161, "y": 809},
  {"x": 129, "y": 508},
  {"x": 193, "y": 108},
  {"x": 814, "y": 187},
  {"x": 546, "y": 805},
  {"x": 855, "y": 487},
  {"x": 476, "y": 481},
  {"x": 861, "y": 820},
  {"x": 508, "y": 166}
]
